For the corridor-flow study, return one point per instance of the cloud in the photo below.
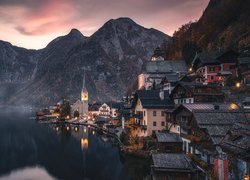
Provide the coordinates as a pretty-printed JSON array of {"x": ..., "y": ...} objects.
[{"x": 36, "y": 18}]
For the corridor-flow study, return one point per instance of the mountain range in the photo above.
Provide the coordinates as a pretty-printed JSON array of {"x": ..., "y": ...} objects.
[{"x": 111, "y": 58}]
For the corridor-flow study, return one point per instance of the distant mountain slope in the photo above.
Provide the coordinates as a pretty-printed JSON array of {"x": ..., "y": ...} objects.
[
  {"x": 112, "y": 58},
  {"x": 224, "y": 24}
]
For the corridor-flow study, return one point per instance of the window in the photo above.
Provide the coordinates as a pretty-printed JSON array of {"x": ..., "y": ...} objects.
[
  {"x": 178, "y": 128},
  {"x": 212, "y": 77},
  {"x": 154, "y": 113},
  {"x": 162, "y": 113},
  {"x": 154, "y": 123},
  {"x": 144, "y": 113},
  {"x": 211, "y": 69},
  {"x": 162, "y": 123}
]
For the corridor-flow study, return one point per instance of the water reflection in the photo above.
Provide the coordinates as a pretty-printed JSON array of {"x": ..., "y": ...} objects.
[
  {"x": 65, "y": 152},
  {"x": 37, "y": 173}
]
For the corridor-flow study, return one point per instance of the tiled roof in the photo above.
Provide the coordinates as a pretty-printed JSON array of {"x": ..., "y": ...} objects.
[
  {"x": 165, "y": 66},
  {"x": 217, "y": 122},
  {"x": 203, "y": 106},
  {"x": 237, "y": 140},
  {"x": 172, "y": 161},
  {"x": 151, "y": 99},
  {"x": 208, "y": 57},
  {"x": 168, "y": 137}
]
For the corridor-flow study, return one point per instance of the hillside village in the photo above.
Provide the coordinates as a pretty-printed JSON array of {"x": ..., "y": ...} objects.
[{"x": 191, "y": 120}]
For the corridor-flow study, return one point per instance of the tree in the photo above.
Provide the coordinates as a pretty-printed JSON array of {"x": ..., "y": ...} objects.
[
  {"x": 189, "y": 50},
  {"x": 76, "y": 114},
  {"x": 65, "y": 109},
  {"x": 124, "y": 138}
]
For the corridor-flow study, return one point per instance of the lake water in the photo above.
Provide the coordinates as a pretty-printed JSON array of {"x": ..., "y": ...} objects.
[{"x": 29, "y": 150}]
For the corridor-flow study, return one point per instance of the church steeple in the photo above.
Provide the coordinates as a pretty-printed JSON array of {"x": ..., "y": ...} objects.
[
  {"x": 83, "y": 81},
  {"x": 84, "y": 92}
]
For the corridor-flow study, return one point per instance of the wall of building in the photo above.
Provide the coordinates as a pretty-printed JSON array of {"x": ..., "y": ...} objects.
[{"x": 155, "y": 123}]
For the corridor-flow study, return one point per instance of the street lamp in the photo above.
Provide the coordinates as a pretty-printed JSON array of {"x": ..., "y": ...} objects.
[
  {"x": 238, "y": 85},
  {"x": 190, "y": 69}
]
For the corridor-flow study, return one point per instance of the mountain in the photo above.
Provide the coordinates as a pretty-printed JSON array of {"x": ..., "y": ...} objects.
[
  {"x": 111, "y": 58},
  {"x": 224, "y": 24}
]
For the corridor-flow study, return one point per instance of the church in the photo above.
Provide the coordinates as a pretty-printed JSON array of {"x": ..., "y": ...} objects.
[{"x": 81, "y": 105}]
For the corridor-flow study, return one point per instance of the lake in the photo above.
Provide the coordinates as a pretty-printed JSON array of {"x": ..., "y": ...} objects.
[{"x": 29, "y": 150}]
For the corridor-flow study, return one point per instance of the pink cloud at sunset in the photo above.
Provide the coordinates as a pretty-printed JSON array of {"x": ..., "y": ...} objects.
[{"x": 33, "y": 24}]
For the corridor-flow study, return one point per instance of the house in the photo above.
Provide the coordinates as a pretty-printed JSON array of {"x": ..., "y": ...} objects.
[
  {"x": 155, "y": 70},
  {"x": 94, "y": 109},
  {"x": 215, "y": 66},
  {"x": 207, "y": 129},
  {"x": 173, "y": 166},
  {"x": 168, "y": 142},
  {"x": 104, "y": 110},
  {"x": 244, "y": 65},
  {"x": 246, "y": 103},
  {"x": 169, "y": 82},
  {"x": 191, "y": 92},
  {"x": 114, "y": 109},
  {"x": 237, "y": 145},
  {"x": 149, "y": 108}
]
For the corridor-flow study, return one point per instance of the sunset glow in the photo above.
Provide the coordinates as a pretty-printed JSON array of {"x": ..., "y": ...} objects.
[{"x": 33, "y": 24}]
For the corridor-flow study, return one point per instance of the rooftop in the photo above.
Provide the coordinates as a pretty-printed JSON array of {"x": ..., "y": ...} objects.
[
  {"x": 151, "y": 99},
  {"x": 168, "y": 137},
  {"x": 218, "y": 122},
  {"x": 173, "y": 161},
  {"x": 166, "y": 67}
]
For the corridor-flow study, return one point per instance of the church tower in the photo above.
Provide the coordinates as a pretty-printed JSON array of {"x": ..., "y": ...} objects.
[
  {"x": 81, "y": 105},
  {"x": 84, "y": 92}
]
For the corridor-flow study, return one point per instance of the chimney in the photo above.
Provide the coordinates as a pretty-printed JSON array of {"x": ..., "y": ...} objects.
[{"x": 161, "y": 94}]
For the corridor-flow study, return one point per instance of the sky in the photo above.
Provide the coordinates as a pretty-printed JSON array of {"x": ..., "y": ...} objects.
[{"x": 34, "y": 23}]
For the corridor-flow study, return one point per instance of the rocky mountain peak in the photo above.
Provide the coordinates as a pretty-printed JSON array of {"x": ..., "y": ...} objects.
[
  {"x": 113, "y": 57},
  {"x": 76, "y": 33}
]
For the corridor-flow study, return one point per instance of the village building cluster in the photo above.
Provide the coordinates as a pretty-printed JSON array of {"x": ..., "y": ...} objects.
[{"x": 198, "y": 115}]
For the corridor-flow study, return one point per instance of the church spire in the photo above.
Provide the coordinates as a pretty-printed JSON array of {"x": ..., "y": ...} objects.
[
  {"x": 84, "y": 93},
  {"x": 83, "y": 81}
]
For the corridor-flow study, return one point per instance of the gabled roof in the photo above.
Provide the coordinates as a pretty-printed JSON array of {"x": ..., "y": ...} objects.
[
  {"x": 165, "y": 67},
  {"x": 214, "y": 57},
  {"x": 190, "y": 86},
  {"x": 168, "y": 137},
  {"x": 173, "y": 161},
  {"x": 217, "y": 122},
  {"x": 204, "y": 106},
  {"x": 237, "y": 140},
  {"x": 151, "y": 99},
  {"x": 172, "y": 77}
]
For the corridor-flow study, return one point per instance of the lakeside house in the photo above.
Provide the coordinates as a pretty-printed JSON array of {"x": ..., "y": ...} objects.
[
  {"x": 149, "y": 110},
  {"x": 173, "y": 166}
]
